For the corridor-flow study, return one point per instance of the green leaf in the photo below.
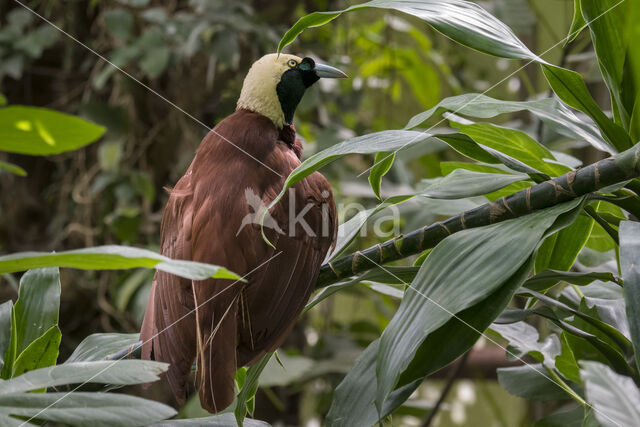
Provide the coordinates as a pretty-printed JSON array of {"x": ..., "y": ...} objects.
[
  {"x": 155, "y": 61},
  {"x": 3, "y": 100},
  {"x": 353, "y": 402},
  {"x": 348, "y": 230},
  {"x": 16, "y": 170},
  {"x": 381, "y": 165},
  {"x": 220, "y": 420},
  {"x": 607, "y": 20},
  {"x": 462, "y": 183},
  {"x": 615, "y": 398},
  {"x": 42, "y": 352},
  {"x": 315, "y": 19},
  {"x": 560, "y": 250},
  {"x": 117, "y": 372},
  {"x": 35, "y": 315},
  {"x": 98, "y": 346},
  {"x": 566, "y": 361},
  {"x": 38, "y": 131},
  {"x": 551, "y": 111},
  {"x": 462, "y": 270},
  {"x": 249, "y": 388},
  {"x": 588, "y": 325},
  {"x": 547, "y": 278},
  {"x": 629, "y": 255},
  {"x": 530, "y": 382},
  {"x": 570, "y": 87},
  {"x": 6, "y": 309},
  {"x": 38, "y": 305},
  {"x": 523, "y": 339},
  {"x": 563, "y": 418},
  {"x": 577, "y": 24},
  {"x": 478, "y": 30},
  {"x": 112, "y": 258},
  {"x": 515, "y": 144},
  {"x": 119, "y": 22},
  {"x": 78, "y": 408}
]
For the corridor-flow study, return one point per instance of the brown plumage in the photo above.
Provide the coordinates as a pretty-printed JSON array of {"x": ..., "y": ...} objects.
[{"x": 236, "y": 323}]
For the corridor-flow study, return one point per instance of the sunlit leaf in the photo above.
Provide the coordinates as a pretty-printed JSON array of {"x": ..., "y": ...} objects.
[
  {"x": 11, "y": 168},
  {"x": 38, "y": 131}
]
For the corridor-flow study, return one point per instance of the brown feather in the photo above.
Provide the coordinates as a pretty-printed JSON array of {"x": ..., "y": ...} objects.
[{"x": 236, "y": 323}]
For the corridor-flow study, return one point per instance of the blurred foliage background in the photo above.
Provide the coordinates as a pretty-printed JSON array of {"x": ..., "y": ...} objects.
[{"x": 190, "y": 57}]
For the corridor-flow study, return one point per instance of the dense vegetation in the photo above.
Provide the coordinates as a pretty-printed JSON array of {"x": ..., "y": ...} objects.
[{"x": 517, "y": 232}]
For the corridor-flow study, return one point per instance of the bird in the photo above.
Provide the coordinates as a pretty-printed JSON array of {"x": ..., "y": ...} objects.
[{"x": 241, "y": 166}]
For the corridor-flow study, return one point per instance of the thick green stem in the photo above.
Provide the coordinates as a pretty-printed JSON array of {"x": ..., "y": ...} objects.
[{"x": 621, "y": 167}]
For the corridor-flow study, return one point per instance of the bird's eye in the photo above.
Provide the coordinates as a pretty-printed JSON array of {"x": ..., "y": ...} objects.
[{"x": 292, "y": 63}]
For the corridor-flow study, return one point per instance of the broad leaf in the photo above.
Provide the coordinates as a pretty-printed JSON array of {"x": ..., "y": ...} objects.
[
  {"x": 120, "y": 372},
  {"x": 478, "y": 30},
  {"x": 79, "y": 408},
  {"x": 98, "y": 346},
  {"x": 38, "y": 131},
  {"x": 461, "y": 271},
  {"x": 220, "y": 420},
  {"x": 42, "y": 352},
  {"x": 523, "y": 339},
  {"x": 552, "y": 112},
  {"x": 560, "y": 250},
  {"x": 629, "y": 256},
  {"x": 34, "y": 315},
  {"x": 462, "y": 183},
  {"x": 530, "y": 382},
  {"x": 570, "y": 87},
  {"x": 607, "y": 20},
  {"x": 615, "y": 398},
  {"x": 112, "y": 258},
  {"x": 353, "y": 401},
  {"x": 515, "y": 144}
]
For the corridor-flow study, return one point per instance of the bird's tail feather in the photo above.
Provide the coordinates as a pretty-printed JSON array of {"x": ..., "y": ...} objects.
[{"x": 216, "y": 356}]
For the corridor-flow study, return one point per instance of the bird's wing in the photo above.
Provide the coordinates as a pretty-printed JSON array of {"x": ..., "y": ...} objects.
[
  {"x": 277, "y": 294},
  {"x": 169, "y": 323}
]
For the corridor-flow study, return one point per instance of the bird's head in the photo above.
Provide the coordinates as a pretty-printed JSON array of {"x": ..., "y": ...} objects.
[{"x": 275, "y": 84}]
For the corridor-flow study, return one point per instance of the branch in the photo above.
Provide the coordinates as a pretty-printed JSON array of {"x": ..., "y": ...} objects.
[{"x": 613, "y": 170}]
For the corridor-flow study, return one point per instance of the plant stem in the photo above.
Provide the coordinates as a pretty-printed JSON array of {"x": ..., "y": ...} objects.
[
  {"x": 566, "y": 387},
  {"x": 621, "y": 167}
]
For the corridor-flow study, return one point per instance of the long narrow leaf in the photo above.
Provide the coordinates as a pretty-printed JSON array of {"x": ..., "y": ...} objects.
[
  {"x": 462, "y": 270},
  {"x": 112, "y": 258}
]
